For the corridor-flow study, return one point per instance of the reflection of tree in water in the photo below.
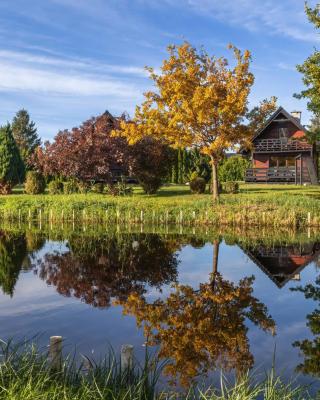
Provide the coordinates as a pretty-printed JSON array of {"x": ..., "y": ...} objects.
[
  {"x": 17, "y": 251},
  {"x": 200, "y": 330},
  {"x": 13, "y": 251},
  {"x": 97, "y": 269},
  {"x": 310, "y": 348}
]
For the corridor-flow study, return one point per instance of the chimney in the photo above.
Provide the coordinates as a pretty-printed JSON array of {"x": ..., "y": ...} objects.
[{"x": 296, "y": 115}]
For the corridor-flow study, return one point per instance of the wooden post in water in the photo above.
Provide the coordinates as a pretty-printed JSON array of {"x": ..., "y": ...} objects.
[
  {"x": 55, "y": 352},
  {"x": 126, "y": 357}
]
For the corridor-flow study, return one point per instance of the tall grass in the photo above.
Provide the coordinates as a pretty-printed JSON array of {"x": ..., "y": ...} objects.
[
  {"x": 265, "y": 205},
  {"x": 26, "y": 375}
]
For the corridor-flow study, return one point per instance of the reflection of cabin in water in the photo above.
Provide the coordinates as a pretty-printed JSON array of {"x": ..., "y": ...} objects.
[
  {"x": 283, "y": 263},
  {"x": 281, "y": 153}
]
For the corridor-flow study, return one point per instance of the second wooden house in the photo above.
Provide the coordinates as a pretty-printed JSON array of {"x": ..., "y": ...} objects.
[{"x": 281, "y": 153}]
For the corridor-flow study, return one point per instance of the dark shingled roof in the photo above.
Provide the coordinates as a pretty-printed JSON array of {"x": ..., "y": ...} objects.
[{"x": 280, "y": 110}]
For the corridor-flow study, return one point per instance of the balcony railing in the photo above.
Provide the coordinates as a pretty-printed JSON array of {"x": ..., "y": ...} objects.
[
  {"x": 280, "y": 145},
  {"x": 279, "y": 174}
]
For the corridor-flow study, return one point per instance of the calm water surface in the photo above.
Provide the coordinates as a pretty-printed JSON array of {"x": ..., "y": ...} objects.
[{"x": 206, "y": 300}]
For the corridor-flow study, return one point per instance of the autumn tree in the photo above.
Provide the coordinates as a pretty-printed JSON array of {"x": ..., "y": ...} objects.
[
  {"x": 201, "y": 330},
  {"x": 311, "y": 68},
  {"x": 25, "y": 134},
  {"x": 86, "y": 153},
  {"x": 11, "y": 165},
  {"x": 96, "y": 269},
  {"x": 200, "y": 102}
]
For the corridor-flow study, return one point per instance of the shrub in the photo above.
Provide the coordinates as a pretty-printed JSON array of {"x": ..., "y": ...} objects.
[
  {"x": 150, "y": 185},
  {"x": 35, "y": 183},
  {"x": 233, "y": 169},
  {"x": 151, "y": 163},
  {"x": 70, "y": 187},
  {"x": 198, "y": 185},
  {"x": 55, "y": 187},
  {"x": 98, "y": 187},
  {"x": 231, "y": 187}
]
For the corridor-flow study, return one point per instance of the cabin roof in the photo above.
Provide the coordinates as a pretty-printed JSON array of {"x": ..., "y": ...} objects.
[{"x": 288, "y": 116}]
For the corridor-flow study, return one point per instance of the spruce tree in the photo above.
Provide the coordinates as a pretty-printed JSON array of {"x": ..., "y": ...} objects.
[
  {"x": 25, "y": 134},
  {"x": 11, "y": 164}
]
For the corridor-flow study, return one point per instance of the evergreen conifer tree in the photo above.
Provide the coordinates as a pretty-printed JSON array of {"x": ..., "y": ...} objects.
[
  {"x": 11, "y": 164},
  {"x": 25, "y": 134}
]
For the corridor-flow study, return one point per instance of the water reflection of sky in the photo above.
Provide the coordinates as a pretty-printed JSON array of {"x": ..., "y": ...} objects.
[{"x": 37, "y": 308}]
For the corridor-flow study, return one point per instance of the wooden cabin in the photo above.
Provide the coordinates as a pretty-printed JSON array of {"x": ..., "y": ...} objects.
[{"x": 280, "y": 152}]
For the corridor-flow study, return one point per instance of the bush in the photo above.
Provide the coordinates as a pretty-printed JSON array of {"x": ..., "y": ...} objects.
[
  {"x": 151, "y": 163},
  {"x": 35, "y": 183},
  {"x": 233, "y": 169},
  {"x": 198, "y": 185},
  {"x": 151, "y": 184},
  {"x": 230, "y": 187},
  {"x": 55, "y": 187},
  {"x": 98, "y": 188},
  {"x": 70, "y": 187}
]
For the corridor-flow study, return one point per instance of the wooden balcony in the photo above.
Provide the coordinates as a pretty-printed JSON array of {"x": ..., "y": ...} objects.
[
  {"x": 279, "y": 174},
  {"x": 281, "y": 146}
]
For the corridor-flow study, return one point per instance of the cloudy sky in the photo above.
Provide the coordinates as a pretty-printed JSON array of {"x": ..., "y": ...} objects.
[{"x": 67, "y": 60}]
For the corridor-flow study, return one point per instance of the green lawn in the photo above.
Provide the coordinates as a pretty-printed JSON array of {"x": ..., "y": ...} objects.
[{"x": 276, "y": 205}]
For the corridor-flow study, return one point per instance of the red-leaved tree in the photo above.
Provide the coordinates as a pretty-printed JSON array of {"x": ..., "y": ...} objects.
[{"x": 86, "y": 153}]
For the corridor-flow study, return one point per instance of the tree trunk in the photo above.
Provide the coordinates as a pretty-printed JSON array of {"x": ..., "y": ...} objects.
[
  {"x": 214, "y": 178},
  {"x": 216, "y": 245}
]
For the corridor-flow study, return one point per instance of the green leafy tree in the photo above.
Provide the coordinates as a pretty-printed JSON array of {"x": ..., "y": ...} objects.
[
  {"x": 11, "y": 165},
  {"x": 311, "y": 68},
  {"x": 25, "y": 134},
  {"x": 233, "y": 169}
]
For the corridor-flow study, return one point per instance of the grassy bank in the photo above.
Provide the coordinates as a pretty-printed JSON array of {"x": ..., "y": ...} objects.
[
  {"x": 255, "y": 205},
  {"x": 25, "y": 373}
]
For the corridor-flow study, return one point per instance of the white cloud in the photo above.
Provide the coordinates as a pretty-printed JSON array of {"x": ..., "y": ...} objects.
[
  {"x": 22, "y": 71},
  {"x": 276, "y": 18}
]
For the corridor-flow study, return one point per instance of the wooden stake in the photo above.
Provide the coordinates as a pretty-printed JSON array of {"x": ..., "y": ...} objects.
[
  {"x": 126, "y": 357},
  {"x": 55, "y": 352}
]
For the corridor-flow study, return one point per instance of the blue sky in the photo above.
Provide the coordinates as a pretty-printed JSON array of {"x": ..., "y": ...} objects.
[{"x": 67, "y": 60}]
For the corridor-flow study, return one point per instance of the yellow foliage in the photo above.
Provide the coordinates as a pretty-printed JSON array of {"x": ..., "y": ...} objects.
[{"x": 200, "y": 330}]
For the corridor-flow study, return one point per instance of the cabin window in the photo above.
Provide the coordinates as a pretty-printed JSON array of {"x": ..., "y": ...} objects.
[{"x": 275, "y": 162}]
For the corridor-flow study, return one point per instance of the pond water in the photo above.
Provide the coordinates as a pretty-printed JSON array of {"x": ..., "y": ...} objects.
[{"x": 207, "y": 300}]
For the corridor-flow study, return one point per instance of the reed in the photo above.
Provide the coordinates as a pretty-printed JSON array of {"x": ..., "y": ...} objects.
[{"x": 25, "y": 374}]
